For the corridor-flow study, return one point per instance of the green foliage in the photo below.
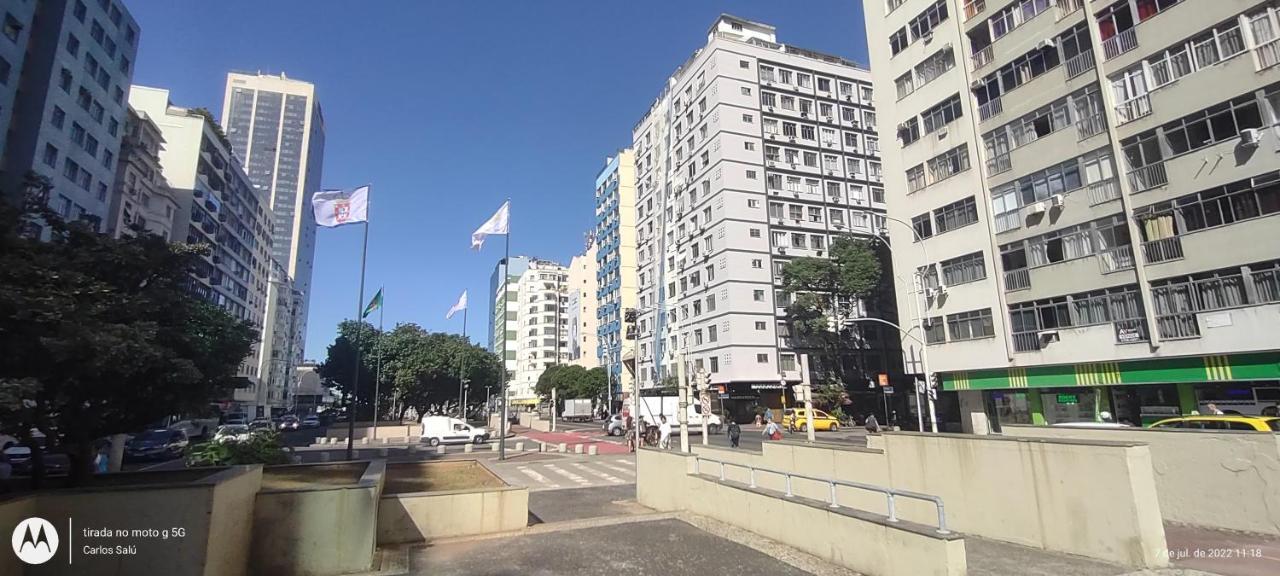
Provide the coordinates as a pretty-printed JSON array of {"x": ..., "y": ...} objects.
[
  {"x": 100, "y": 335},
  {"x": 261, "y": 447},
  {"x": 421, "y": 369},
  {"x": 572, "y": 381}
]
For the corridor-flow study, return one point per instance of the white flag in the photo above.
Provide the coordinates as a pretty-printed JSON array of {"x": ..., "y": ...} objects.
[
  {"x": 460, "y": 306},
  {"x": 496, "y": 224},
  {"x": 334, "y": 207}
]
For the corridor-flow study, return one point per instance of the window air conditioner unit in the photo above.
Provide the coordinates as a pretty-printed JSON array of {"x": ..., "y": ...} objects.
[
  {"x": 771, "y": 108},
  {"x": 828, "y": 119},
  {"x": 1047, "y": 43},
  {"x": 1057, "y": 200},
  {"x": 804, "y": 114},
  {"x": 942, "y": 134},
  {"x": 1048, "y": 335},
  {"x": 1037, "y": 208},
  {"x": 976, "y": 84},
  {"x": 928, "y": 37},
  {"x": 782, "y": 250},
  {"x": 1250, "y": 137}
]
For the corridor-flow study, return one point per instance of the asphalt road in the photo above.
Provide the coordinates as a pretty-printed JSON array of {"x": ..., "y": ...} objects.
[{"x": 291, "y": 438}]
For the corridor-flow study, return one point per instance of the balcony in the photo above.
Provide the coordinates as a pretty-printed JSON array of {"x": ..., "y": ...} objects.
[
  {"x": 1079, "y": 64},
  {"x": 983, "y": 57},
  {"x": 1162, "y": 250},
  {"x": 1008, "y": 221},
  {"x": 1120, "y": 43},
  {"x": 999, "y": 164},
  {"x": 1148, "y": 177},
  {"x": 973, "y": 8},
  {"x": 990, "y": 110},
  {"x": 1068, "y": 7},
  {"x": 1015, "y": 280},
  {"x": 1178, "y": 326},
  {"x": 1026, "y": 341},
  {"x": 1103, "y": 191},
  {"x": 1268, "y": 54},
  {"x": 1134, "y": 109},
  {"x": 1090, "y": 126},
  {"x": 1116, "y": 259}
]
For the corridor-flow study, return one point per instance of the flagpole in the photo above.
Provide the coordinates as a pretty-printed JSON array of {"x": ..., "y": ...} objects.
[
  {"x": 377, "y": 378},
  {"x": 355, "y": 380},
  {"x": 506, "y": 271},
  {"x": 462, "y": 363}
]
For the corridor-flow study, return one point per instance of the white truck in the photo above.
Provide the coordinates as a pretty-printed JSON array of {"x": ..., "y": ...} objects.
[
  {"x": 577, "y": 409},
  {"x": 651, "y": 407},
  {"x": 437, "y": 430}
]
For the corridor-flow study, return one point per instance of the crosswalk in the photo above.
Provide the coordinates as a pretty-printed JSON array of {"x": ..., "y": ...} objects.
[{"x": 581, "y": 474}]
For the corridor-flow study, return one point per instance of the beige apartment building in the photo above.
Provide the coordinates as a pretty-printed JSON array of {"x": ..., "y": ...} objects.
[{"x": 1087, "y": 196}]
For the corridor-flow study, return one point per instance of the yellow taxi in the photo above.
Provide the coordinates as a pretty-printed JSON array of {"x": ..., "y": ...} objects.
[
  {"x": 1222, "y": 422},
  {"x": 793, "y": 419}
]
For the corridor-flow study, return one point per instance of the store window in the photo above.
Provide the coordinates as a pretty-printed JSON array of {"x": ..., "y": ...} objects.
[
  {"x": 1012, "y": 407},
  {"x": 1069, "y": 405}
]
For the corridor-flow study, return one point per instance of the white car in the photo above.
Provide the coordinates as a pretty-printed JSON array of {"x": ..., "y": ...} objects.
[
  {"x": 437, "y": 430},
  {"x": 231, "y": 432},
  {"x": 196, "y": 427}
]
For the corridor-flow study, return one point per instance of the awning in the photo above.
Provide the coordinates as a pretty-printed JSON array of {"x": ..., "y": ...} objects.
[{"x": 525, "y": 402}]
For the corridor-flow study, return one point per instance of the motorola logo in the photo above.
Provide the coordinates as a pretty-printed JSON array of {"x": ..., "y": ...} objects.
[{"x": 35, "y": 541}]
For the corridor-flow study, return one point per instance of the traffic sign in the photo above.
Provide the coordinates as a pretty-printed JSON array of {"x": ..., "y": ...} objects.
[
  {"x": 888, "y": 389},
  {"x": 884, "y": 379}
]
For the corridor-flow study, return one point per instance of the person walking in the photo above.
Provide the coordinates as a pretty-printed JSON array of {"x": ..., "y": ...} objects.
[
  {"x": 1213, "y": 409},
  {"x": 735, "y": 433},
  {"x": 872, "y": 425},
  {"x": 664, "y": 434},
  {"x": 768, "y": 414},
  {"x": 771, "y": 430}
]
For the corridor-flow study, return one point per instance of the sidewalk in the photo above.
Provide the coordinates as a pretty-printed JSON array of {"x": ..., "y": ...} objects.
[{"x": 570, "y": 438}]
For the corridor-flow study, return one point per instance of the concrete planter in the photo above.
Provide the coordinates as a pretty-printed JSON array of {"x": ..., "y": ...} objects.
[{"x": 406, "y": 516}]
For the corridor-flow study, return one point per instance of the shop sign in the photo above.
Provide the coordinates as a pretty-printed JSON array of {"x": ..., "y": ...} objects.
[
  {"x": 1068, "y": 399},
  {"x": 767, "y": 386},
  {"x": 1128, "y": 335}
]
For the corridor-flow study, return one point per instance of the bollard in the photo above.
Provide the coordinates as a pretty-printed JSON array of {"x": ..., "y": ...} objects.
[
  {"x": 519, "y": 446},
  {"x": 577, "y": 448},
  {"x": 324, "y": 456},
  {"x": 440, "y": 449},
  {"x": 493, "y": 447},
  {"x": 382, "y": 452},
  {"x": 592, "y": 450},
  {"x": 562, "y": 448},
  {"x": 468, "y": 448}
]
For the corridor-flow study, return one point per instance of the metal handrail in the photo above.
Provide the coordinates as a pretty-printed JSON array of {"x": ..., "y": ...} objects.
[{"x": 889, "y": 493}]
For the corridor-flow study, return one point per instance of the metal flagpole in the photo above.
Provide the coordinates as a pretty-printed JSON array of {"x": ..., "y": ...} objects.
[
  {"x": 355, "y": 379},
  {"x": 506, "y": 279},
  {"x": 377, "y": 378},
  {"x": 462, "y": 362}
]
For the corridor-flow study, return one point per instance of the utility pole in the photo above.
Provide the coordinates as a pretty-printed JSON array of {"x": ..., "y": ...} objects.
[
  {"x": 806, "y": 391},
  {"x": 682, "y": 415},
  {"x": 553, "y": 409},
  {"x": 704, "y": 403}
]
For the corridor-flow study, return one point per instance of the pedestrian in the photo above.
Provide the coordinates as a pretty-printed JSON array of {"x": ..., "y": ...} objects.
[
  {"x": 768, "y": 414},
  {"x": 1213, "y": 409},
  {"x": 771, "y": 430},
  {"x": 872, "y": 425},
  {"x": 664, "y": 433},
  {"x": 735, "y": 432}
]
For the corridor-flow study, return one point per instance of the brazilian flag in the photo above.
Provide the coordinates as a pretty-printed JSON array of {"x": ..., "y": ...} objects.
[{"x": 374, "y": 304}]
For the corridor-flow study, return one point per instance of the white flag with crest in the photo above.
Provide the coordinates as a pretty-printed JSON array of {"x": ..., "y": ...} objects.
[
  {"x": 496, "y": 224},
  {"x": 460, "y": 306},
  {"x": 334, "y": 207}
]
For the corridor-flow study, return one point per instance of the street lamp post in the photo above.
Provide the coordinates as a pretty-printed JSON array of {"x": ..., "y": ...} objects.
[{"x": 917, "y": 288}]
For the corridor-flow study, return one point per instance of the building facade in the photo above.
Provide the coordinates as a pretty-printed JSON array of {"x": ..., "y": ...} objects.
[
  {"x": 218, "y": 207},
  {"x": 276, "y": 129},
  {"x": 581, "y": 306},
  {"x": 1089, "y": 191},
  {"x": 615, "y": 232},
  {"x": 504, "y": 295},
  {"x": 67, "y": 66},
  {"x": 542, "y": 318},
  {"x": 755, "y": 153},
  {"x": 141, "y": 196}
]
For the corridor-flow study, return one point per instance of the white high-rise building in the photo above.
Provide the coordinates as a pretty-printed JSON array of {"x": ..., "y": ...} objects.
[
  {"x": 542, "y": 320},
  {"x": 754, "y": 153},
  {"x": 581, "y": 306},
  {"x": 277, "y": 129}
]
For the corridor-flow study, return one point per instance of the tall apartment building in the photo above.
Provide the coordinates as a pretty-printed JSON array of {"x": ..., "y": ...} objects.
[
  {"x": 504, "y": 297},
  {"x": 277, "y": 130},
  {"x": 542, "y": 319},
  {"x": 754, "y": 153},
  {"x": 1090, "y": 195},
  {"x": 615, "y": 195},
  {"x": 220, "y": 208},
  {"x": 141, "y": 196},
  {"x": 66, "y": 65},
  {"x": 581, "y": 305}
]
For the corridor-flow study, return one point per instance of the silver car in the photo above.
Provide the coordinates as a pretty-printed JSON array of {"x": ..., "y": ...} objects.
[{"x": 615, "y": 425}]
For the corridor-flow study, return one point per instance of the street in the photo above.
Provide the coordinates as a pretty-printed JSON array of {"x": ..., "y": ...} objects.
[{"x": 751, "y": 439}]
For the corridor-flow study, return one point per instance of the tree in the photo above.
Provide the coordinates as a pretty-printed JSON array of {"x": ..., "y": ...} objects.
[
  {"x": 571, "y": 381},
  {"x": 338, "y": 368},
  {"x": 826, "y": 291},
  {"x": 101, "y": 335}
]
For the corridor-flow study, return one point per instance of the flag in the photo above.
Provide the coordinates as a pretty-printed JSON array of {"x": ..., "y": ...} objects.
[
  {"x": 496, "y": 224},
  {"x": 334, "y": 207},
  {"x": 461, "y": 305},
  {"x": 374, "y": 304}
]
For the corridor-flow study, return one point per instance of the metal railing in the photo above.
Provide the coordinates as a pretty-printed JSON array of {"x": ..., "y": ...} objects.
[
  {"x": 1116, "y": 259},
  {"x": 1103, "y": 191},
  {"x": 999, "y": 164},
  {"x": 1180, "y": 325},
  {"x": 1120, "y": 43},
  {"x": 1066, "y": 7},
  {"x": 1079, "y": 64},
  {"x": 1268, "y": 54},
  {"x": 1148, "y": 177},
  {"x": 973, "y": 7},
  {"x": 989, "y": 110},
  {"x": 1090, "y": 126},
  {"x": 1015, "y": 280},
  {"x": 1266, "y": 284},
  {"x": 1133, "y": 109},
  {"x": 1026, "y": 341},
  {"x": 983, "y": 57},
  {"x": 1162, "y": 250},
  {"x": 1008, "y": 221},
  {"x": 890, "y": 493}
]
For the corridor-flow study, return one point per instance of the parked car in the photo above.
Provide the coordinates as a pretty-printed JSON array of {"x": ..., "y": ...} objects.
[
  {"x": 438, "y": 430},
  {"x": 156, "y": 444},
  {"x": 261, "y": 424},
  {"x": 1222, "y": 422},
  {"x": 795, "y": 419},
  {"x": 196, "y": 427},
  {"x": 615, "y": 425},
  {"x": 290, "y": 422},
  {"x": 229, "y": 432},
  {"x": 236, "y": 418},
  {"x": 311, "y": 421}
]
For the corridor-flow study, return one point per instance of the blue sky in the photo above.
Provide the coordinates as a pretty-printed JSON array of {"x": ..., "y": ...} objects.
[{"x": 450, "y": 107}]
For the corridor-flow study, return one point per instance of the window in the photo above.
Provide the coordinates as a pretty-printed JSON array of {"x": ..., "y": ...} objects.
[
  {"x": 746, "y": 91},
  {"x": 747, "y": 118},
  {"x": 924, "y": 23},
  {"x": 1240, "y": 200},
  {"x": 898, "y": 41},
  {"x": 757, "y": 263},
  {"x": 96, "y": 112},
  {"x": 59, "y": 118},
  {"x": 77, "y": 134},
  {"x": 108, "y": 159},
  {"x": 50, "y": 157},
  {"x": 955, "y": 215},
  {"x": 113, "y": 127},
  {"x": 762, "y": 358},
  {"x": 971, "y": 325},
  {"x": 905, "y": 85},
  {"x": 64, "y": 80},
  {"x": 79, "y": 11},
  {"x": 84, "y": 99},
  {"x": 754, "y": 232},
  {"x": 915, "y": 178},
  {"x": 923, "y": 226},
  {"x": 91, "y": 146},
  {"x": 909, "y": 131},
  {"x": 934, "y": 66},
  {"x": 97, "y": 32},
  {"x": 745, "y": 64},
  {"x": 942, "y": 114},
  {"x": 12, "y": 27},
  {"x": 757, "y": 295},
  {"x": 102, "y": 191},
  {"x": 73, "y": 45},
  {"x": 949, "y": 163},
  {"x": 934, "y": 330},
  {"x": 753, "y": 203},
  {"x": 962, "y": 270},
  {"x": 1216, "y": 124},
  {"x": 70, "y": 169}
]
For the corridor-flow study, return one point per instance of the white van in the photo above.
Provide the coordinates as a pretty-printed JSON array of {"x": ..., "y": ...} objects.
[{"x": 443, "y": 429}]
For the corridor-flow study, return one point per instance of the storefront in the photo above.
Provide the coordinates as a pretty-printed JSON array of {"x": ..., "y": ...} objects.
[{"x": 1137, "y": 393}]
